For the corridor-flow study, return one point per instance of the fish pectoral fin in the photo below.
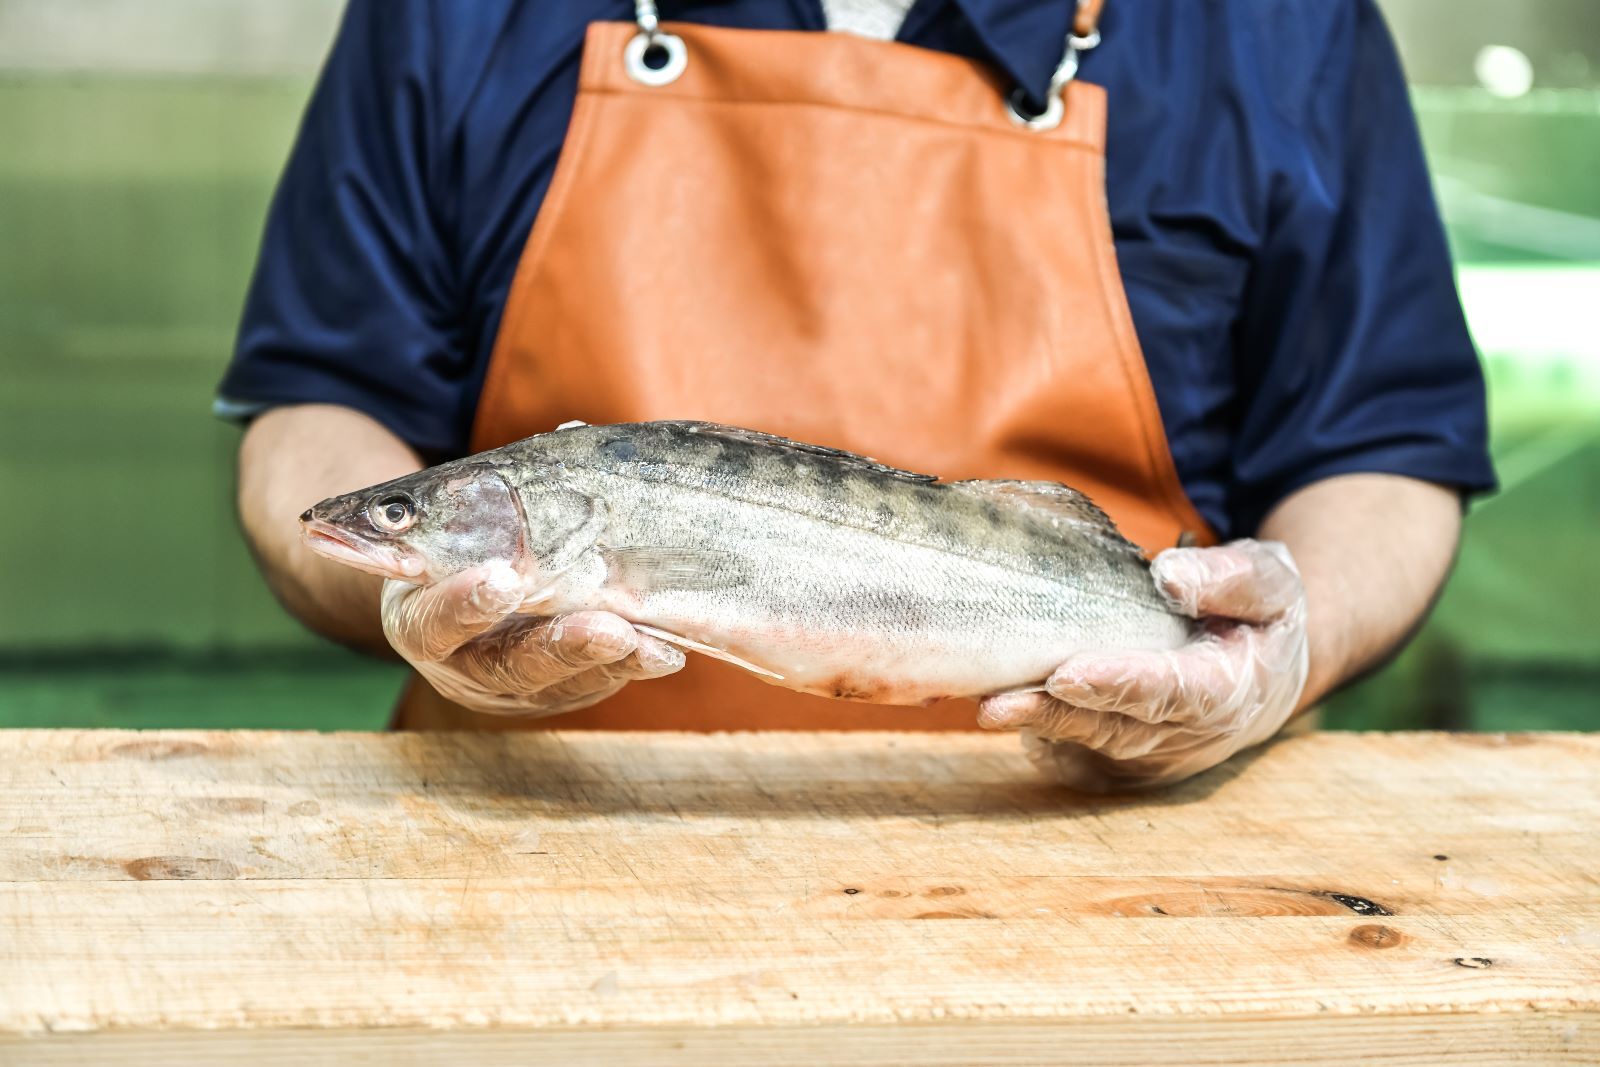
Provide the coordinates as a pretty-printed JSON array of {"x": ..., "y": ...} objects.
[
  {"x": 709, "y": 650},
  {"x": 1053, "y": 503},
  {"x": 654, "y": 569},
  {"x": 1038, "y": 687}
]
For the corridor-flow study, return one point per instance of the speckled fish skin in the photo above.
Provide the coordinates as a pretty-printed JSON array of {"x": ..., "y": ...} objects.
[{"x": 821, "y": 570}]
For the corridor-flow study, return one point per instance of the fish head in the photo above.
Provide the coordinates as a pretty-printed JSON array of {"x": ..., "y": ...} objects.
[{"x": 425, "y": 526}]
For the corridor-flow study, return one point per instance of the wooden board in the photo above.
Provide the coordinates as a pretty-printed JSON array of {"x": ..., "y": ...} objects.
[{"x": 777, "y": 898}]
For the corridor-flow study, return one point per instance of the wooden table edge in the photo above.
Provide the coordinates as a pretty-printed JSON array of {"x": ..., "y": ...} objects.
[{"x": 1475, "y": 1036}]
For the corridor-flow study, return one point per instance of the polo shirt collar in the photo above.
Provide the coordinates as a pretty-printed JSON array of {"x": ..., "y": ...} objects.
[{"x": 1025, "y": 37}]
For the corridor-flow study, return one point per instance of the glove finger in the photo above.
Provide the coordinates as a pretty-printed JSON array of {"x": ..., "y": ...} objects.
[
  {"x": 1011, "y": 711},
  {"x": 1185, "y": 685},
  {"x": 1114, "y": 736},
  {"x": 653, "y": 658},
  {"x": 529, "y": 657},
  {"x": 429, "y": 623},
  {"x": 1251, "y": 581}
]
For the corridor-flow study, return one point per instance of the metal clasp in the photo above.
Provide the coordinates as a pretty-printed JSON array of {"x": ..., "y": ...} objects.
[
  {"x": 1055, "y": 107},
  {"x": 651, "y": 42}
]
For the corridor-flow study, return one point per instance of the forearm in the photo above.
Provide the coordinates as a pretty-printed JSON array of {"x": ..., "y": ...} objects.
[
  {"x": 1373, "y": 551},
  {"x": 289, "y": 459}
]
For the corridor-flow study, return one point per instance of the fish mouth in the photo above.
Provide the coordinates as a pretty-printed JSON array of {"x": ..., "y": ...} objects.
[{"x": 341, "y": 546}]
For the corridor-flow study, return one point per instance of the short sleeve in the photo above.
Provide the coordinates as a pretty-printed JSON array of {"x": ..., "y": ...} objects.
[
  {"x": 1353, "y": 354},
  {"x": 352, "y": 301}
]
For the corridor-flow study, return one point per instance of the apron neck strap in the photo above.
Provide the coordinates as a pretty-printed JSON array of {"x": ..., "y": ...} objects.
[
  {"x": 1084, "y": 21},
  {"x": 1087, "y": 18},
  {"x": 1076, "y": 42}
]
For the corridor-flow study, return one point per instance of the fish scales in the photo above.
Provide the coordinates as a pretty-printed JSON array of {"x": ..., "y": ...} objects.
[
  {"x": 899, "y": 505},
  {"x": 822, "y": 570}
]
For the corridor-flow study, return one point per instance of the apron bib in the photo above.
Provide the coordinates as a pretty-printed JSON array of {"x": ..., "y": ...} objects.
[{"x": 845, "y": 241}]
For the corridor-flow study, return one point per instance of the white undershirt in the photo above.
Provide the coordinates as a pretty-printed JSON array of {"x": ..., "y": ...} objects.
[{"x": 867, "y": 18}]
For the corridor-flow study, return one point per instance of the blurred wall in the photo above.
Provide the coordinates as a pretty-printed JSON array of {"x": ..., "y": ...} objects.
[
  {"x": 141, "y": 142},
  {"x": 223, "y": 38}
]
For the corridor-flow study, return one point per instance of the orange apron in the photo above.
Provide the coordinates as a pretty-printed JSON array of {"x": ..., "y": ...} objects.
[{"x": 840, "y": 240}]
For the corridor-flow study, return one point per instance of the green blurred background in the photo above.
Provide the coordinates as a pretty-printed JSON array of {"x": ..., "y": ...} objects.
[{"x": 139, "y": 143}]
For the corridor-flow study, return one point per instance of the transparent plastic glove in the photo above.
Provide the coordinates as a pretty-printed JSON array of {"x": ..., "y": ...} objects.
[
  {"x": 1130, "y": 720},
  {"x": 464, "y": 637}
]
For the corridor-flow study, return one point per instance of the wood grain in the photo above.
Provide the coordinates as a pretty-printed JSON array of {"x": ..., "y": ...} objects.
[{"x": 871, "y": 898}]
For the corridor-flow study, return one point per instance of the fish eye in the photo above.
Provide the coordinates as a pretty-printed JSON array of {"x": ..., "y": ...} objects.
[{"x": 394, "y": 514}]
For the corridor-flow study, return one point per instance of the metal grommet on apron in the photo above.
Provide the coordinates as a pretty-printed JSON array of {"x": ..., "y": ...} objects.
[
  {"x": 850, "y": 243},
  {"x": 650, "y": 41},
  {"x": 1055, "y": 103}
]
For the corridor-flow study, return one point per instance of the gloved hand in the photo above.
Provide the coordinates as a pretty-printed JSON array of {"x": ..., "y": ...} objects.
[
  {"x": 464, "y": 637},
  {"x": 1129, "y": 720}
]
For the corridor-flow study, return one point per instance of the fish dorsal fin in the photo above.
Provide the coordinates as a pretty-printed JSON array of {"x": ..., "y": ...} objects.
[
  {"x": 1059, "y": 505},
  {"x": 758, "y": 439}
]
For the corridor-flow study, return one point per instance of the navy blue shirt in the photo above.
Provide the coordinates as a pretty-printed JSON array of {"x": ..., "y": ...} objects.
[{"x": 1273, "y": 219}]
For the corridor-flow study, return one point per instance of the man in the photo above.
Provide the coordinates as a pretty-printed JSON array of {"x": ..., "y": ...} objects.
[{"x": 1204, "y": 281}]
